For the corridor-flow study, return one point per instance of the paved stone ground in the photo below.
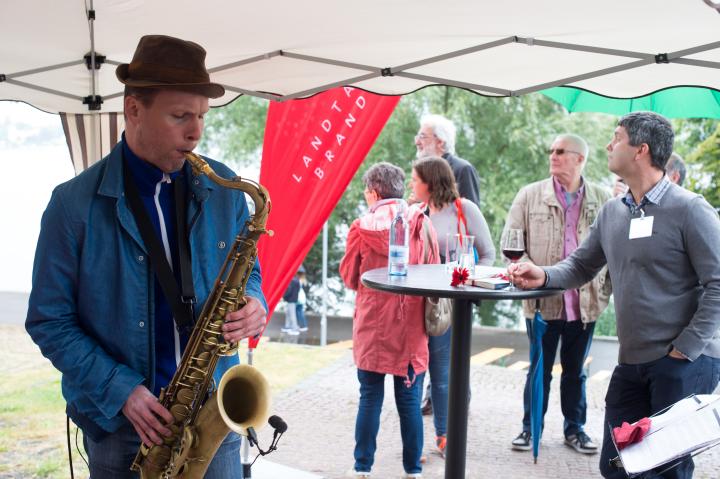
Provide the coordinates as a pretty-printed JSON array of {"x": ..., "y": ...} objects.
[{"x": 320, "y": 412}]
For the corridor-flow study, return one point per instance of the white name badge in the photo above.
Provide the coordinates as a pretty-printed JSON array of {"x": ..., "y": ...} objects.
[{"x": 641, "y": 227}]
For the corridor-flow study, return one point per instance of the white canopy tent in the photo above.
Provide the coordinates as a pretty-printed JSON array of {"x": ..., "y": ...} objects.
[
  {"x": 283, "y": 49},
  {"x": 61, "y": 56}
]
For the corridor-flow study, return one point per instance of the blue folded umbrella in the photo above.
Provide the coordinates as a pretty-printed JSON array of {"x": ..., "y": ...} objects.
[{"x": 537, "y": 331}]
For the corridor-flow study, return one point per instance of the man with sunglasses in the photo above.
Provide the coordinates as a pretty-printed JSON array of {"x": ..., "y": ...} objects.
[{"x": 556, "y": 214}]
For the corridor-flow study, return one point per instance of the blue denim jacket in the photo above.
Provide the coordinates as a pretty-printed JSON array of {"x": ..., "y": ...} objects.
[{"x": 91, "y": 307}]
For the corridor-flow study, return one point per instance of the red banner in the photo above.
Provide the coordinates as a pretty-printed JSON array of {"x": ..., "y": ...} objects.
[{"x": 311, "y": 151}]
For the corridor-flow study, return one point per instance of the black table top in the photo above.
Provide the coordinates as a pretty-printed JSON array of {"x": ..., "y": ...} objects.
[{"x": 433, "y": 280}]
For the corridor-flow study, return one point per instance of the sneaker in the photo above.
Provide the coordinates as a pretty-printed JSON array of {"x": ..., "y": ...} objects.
[
  {"x": 426, "y": 408},
  {"x": 302, "y": 330},
  {"x": 522, "y": 442},
  {"x": 285, "y": 330},
  {"x": 581, "y": 442},
  {"x": 412, "y": 475},
  {"x": 441, "y": 443},
  {"x": 293, "y": 332},
  {"x": 358, "y": 474}
]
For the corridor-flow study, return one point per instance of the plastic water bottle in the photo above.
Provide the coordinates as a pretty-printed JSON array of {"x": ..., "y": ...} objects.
[{"x": 399, "y": 254}]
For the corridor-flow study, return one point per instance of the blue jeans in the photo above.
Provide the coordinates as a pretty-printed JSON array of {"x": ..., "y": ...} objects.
[
  {"x": 439, "y": 368},
  {"x": 640, "y": 390},
  {"x": 574, "y": 348},
  {"x": 407, "y": 401},
  {"x": 111, "y": 457},
  {"x": 300, "y": 314}
]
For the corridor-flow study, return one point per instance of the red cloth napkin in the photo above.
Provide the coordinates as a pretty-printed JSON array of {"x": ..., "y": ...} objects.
[{"x": 630, "y": 433}]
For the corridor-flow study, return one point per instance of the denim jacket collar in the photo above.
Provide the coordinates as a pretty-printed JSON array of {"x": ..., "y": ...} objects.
[{"x": 112, "y": 184}]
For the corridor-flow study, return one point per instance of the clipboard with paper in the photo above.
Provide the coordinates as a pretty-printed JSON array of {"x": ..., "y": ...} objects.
[{"x": 688, "y": 427}]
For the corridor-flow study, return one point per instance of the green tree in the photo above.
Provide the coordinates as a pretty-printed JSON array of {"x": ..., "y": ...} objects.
[
  {"x": 234, "y": 133},
  {"x": 704, "y": 166}
]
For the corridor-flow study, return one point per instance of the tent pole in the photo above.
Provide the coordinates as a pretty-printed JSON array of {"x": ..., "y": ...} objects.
[
  {"x": 93, "y": 72},
  {"x": 323, "y": 318}
]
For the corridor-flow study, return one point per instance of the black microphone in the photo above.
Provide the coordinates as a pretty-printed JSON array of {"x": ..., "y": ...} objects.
[{"x": 278, "y": 424}]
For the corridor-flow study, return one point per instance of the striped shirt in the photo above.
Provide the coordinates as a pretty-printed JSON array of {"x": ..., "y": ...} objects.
[{"x": 653, "y": 196}]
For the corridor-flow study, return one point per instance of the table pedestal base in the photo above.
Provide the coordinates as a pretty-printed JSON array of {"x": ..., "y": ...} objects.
[{"x": 459, "y": 389}]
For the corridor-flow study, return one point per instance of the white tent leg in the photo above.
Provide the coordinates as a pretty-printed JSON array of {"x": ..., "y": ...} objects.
[{"x": 323, "y": 319}]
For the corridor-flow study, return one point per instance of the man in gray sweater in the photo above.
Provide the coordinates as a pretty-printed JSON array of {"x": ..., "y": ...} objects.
[{"x": 660, "y": 243}]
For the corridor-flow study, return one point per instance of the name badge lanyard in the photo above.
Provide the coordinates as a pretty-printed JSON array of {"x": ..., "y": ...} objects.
[
  {"x": 181, "y": 299},
  {"x": 641, "y": 227}
]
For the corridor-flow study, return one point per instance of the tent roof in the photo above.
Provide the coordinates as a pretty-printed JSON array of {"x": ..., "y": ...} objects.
[{"x": 285, "y": 49}]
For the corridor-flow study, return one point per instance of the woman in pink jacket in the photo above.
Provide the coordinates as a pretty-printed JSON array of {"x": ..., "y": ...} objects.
[{"x": 388, "y": 329}]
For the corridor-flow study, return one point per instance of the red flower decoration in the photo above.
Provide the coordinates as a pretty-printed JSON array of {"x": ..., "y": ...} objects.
[{"x": 459, "y": 276}]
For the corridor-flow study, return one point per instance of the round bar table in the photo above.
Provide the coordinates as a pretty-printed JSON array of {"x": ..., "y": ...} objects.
[{"x": 433, "y": 280}]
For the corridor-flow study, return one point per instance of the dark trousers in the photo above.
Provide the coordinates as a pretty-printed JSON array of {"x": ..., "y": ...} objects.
[
  {"x": 112, "y": 456},
  {"x": 367, "y": 424},
  {"x": 575, "y": 339},
  {"x": 640, "y": 390}
]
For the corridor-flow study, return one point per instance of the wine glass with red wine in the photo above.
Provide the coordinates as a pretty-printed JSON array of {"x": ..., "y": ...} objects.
[{"x": 513, "y": 247}]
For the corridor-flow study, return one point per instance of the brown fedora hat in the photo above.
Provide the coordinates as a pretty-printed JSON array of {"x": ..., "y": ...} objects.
[{"x": 162, "y": 61}]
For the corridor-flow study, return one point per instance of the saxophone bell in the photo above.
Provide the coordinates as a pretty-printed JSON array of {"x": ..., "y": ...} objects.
[{"x": 243, "y": 397}]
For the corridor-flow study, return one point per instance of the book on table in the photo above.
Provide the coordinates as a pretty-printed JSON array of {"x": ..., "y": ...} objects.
[
  {"x": 490, "y": 283},
  {"x": 489, "y": 277}
]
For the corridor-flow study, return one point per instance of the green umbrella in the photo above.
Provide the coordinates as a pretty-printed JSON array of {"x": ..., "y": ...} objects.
[{"x": 675, "y": 102}]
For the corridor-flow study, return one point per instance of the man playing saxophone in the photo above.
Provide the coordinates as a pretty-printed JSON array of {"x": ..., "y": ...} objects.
[{"x": 103, "y": 306}]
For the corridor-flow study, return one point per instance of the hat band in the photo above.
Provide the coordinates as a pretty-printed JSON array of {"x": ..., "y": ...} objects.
[{"x": 152, "y": 72}]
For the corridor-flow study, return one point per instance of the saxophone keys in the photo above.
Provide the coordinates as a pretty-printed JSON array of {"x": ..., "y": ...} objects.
[
  {"x": 202, "y": 359},
  {"x": 179, "y": 412},
  {"x": 185, "y": 396}
]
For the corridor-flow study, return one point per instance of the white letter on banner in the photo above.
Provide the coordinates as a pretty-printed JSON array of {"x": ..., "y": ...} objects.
[
  {"x": 307, "y": 160},
  {"x": 319, "y": 173},
  {"x": 339, "y": 139},
  {"x": 348, "y": 90},
  {"x": 335, "y": 107},
  {"x": 297, "y": 178},
  {"x": 326, "y": 125},
  {"x": 329, "y": 155},
  {"x": 360, "y": 102},
  {"x": 349, "y": 121},
  {"x": 316, "y": 142}
]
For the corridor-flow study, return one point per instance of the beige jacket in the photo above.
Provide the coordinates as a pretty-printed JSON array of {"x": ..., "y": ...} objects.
[{"x": 537, "y": 211}]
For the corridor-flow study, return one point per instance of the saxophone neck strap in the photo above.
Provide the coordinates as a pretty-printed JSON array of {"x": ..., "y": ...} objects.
[{"x": 181, "y": 298}]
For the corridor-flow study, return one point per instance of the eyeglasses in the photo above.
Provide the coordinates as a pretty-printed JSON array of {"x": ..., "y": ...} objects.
[
  {"x": 561, "y": 151},
  {"x": 423, "y": 136}
]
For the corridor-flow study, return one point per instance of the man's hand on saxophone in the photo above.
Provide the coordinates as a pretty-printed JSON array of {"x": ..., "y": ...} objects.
[
  {"x": 145, "y": 413},
  {"x": 245, "y": 322}
]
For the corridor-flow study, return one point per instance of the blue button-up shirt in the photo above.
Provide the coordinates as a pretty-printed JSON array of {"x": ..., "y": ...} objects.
[{"x": 156, "y": 192}]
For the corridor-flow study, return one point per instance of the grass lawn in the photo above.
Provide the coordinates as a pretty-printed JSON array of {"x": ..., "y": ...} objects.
[{"x": 32, "y": 411}]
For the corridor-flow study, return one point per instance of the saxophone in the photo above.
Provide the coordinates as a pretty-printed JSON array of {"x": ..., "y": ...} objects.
[{"x": 242, "y": 399}]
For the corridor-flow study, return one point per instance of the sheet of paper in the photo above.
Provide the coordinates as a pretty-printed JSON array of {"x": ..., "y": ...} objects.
[{"x": 685, "y": 428}]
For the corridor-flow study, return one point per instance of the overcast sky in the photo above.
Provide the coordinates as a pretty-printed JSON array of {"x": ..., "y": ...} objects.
[{"x": 35, "y": 159}]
